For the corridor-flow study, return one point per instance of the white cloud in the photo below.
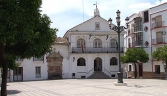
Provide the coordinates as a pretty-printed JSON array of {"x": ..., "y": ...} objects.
[
  {"x": 63, "y": 16},
  {"x": 140, "y": 6}
]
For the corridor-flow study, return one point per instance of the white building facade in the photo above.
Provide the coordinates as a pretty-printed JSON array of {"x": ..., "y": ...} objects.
[
  {"x": 85, "y": 49},
  {"x": 29, "y": 69},
  {"x": 147, "y": 30},
  {"x": 92, "y": 47}
]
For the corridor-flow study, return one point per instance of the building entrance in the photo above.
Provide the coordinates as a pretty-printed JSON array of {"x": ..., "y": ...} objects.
[{"x": 97, "y": 64}]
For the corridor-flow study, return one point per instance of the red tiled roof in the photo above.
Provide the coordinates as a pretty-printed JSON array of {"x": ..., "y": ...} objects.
[{"x": 61, "y": 40}]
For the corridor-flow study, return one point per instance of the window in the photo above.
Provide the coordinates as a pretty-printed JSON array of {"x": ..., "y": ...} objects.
[
  {"x": 81, "y": 62},
  {"x": 80, "y": 43},
  {"x": 139, "y": 38},
  {"x": 128, "y": 31},
  {"x": 158, "y": 21},
  {"x": 159, "y": 37},
  {"x": 113, "y": 61},
  {"x": 130, "y": 68},
  {"x": 38, "y": 59},
  {"x": 97, "y": 25},
  {"x": 38, "y": 72},
  {"x": 138, "y": 24},
  {"x": 146, "y": 18},
  {"x": 97, "y": 43},
  {"x": 129, "y": 44},
  {"x": 113, "y": 43}
]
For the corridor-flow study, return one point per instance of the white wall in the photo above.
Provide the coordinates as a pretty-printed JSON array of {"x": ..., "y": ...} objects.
[
  {"x": 83, "y": 70},
  {"x": 29, "y": 69},
  {"x": 158, "y": 63},
  {"x": 63, "y": 50},
  {"x": 156, "y": 11},
  {"x": 83, "y": 31}
]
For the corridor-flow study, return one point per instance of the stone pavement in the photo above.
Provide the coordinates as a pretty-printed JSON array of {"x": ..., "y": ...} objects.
[{"x": 88, "y": 87}]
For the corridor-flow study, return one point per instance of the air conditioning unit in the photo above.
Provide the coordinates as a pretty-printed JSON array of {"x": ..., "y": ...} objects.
[
  {"x": 163, "y": 32},
  {"x": 153, "y": 19}
]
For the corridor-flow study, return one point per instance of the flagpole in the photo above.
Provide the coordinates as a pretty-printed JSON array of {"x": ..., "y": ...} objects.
[{"x": 83, "y": 8}]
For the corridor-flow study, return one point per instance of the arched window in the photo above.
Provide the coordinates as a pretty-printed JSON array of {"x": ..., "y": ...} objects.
[
  {"x": 97, "y": 43},
  {"x": 80, "y": 43},
  {"x": 113, "y": 43},
  {"x": 81, "y": 62},
  {"x": 113, "y": 61}
]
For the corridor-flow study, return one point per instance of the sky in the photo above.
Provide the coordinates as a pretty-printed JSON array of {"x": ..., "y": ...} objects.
[{"x": 66, "y": 14}]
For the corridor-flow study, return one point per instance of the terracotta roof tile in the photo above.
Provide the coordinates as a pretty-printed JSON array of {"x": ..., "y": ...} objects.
[{"x": 61, "y": 40}]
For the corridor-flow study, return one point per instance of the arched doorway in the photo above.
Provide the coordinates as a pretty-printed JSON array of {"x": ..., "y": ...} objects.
[{"x": 97, "y": 64}]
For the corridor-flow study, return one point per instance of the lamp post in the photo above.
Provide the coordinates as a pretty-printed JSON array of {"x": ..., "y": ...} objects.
[{"x": 118, "y": 29}]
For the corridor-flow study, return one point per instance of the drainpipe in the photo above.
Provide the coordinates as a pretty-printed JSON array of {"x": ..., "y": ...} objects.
[{"x": 151, "y": 42}]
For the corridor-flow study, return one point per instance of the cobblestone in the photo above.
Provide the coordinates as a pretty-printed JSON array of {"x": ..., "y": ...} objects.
[{"x": 88, "y": 87}]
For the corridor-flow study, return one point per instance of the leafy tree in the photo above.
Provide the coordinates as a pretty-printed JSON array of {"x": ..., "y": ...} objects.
[
  {"x": 135, "y": 55},
  {"x": 24, "y": 33},
  {"x": 161, "y": 54}
]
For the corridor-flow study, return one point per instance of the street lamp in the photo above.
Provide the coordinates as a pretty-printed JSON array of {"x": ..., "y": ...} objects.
[{"x": 118, "y": 29}]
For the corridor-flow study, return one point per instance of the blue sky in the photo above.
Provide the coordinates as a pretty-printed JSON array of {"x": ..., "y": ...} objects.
[{"x": 66, "y": 14}]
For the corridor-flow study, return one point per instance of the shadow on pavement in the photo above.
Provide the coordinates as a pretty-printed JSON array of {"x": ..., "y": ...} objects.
[{"x": 9, "y": 92}]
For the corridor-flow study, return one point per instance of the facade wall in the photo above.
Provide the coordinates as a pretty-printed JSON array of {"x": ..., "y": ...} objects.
[
  {"x": 101, "y": 36},
  {"x": 83, "y": 31},
  {"x": 154, "y": 12},
  {"x": 29, "y": 72},
  {"x": 89, "y": 68},
  {"x": 149, "y": 35}
]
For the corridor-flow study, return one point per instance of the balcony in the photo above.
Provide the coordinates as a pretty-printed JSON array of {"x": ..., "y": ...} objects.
[
  {"x": 159, "y": 41},
  {"x": 135, "y": 44},
  {"x": 137, "y": 29},
  {"x": 158, "y": 24},
  {"x": 18, "y": 60},
  {"x": 96, "y": 50}
]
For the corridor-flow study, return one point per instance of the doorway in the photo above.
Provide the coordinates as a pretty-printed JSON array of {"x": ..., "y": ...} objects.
[
  {"x": 97, "y": 64},
  {"x": 140, "y": 70},
  {"x": 157, "y": 69},
  {"x": 18, "y": 74}
]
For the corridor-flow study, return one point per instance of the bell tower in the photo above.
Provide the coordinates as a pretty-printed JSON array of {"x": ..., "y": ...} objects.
[{"x": 96, "y": 11}]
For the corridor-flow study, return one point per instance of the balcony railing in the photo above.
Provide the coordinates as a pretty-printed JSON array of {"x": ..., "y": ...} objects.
[
  {"x": 135, "y": 44},
  {"x": 138, "y": 43},
  {"x": 18, "y": 59},
  {"x": 158, "y": 24},
  {"x": 38, "y": 59},
  {"x": 96, "y": 50},
  {"x": 159, "y": 41}
]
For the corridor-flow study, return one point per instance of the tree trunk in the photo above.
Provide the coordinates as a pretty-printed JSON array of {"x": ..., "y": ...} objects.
[
  {"x": 5, "y": 70},
  {"x": 166, "y": 71},
  {"x": 135, "y": 73}
]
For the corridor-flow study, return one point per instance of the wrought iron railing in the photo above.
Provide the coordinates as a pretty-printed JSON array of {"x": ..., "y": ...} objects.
[
  {"x": 18, "y": 59},
  {"x": 159, "y": 41},
  {"x": 38, "y": 59},
  {"x": 158, "y": 24},
  {"x": 107, "y": 71},
  {"x": 135, "y": 43},
  {"x": 96, "y": 50},
  {"x": 89, "y": 71}
]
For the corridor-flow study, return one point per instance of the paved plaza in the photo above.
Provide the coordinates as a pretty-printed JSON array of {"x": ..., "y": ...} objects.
[{"x": 88, "y": 87}]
